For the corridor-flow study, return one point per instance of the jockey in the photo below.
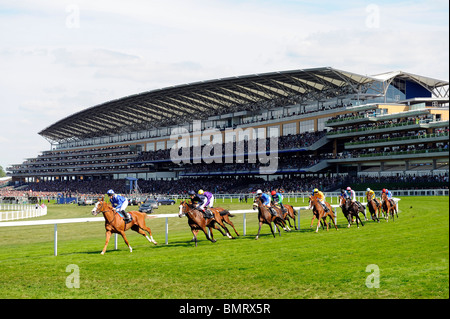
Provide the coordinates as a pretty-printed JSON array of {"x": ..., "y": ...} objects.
[
  {"x": 371, "y": 195},
  {"x": 321, "y": 198},
  {"x": 265, "y": 199},
  {"x": 202, "y": 201},
  {"x": 210, "y": 198},
  {"x": 344, "y": 193},
  {"x": 351, "y": 193},
  {"x": 389, "y": 195},
  {"x": 277, "y": 199},
  {"x": 120, "y": 203}
]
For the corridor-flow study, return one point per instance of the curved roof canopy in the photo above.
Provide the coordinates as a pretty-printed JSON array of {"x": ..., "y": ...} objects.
[{"x": 174, "y": 105}]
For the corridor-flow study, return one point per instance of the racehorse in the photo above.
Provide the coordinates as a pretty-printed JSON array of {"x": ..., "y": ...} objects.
[
  {"x": 352, "y": 210},
  {"x": 374, "y": 207},
  {"x": 265, "y": 217},
  {"x": 197, "y": 222},
  {"x": 222, "y": 216},
  {"x": 115, "y": 224},
  {"x": 388, "y": 205},
  {"x": 320, "y": 213},
  {"x": 288, "y": 214}
]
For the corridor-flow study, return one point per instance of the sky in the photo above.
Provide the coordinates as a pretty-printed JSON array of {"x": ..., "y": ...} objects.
[{"x": 60, "y": 57}]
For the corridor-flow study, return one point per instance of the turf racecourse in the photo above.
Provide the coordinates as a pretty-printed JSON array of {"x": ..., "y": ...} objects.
[{"x": 411, "y": 254}]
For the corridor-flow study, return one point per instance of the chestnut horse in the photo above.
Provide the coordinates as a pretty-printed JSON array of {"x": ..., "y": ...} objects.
[
  {"x": 265, "y": 217},
  {"x": 388, "y": 206},
  {"x": 222, "y": 216},
  {"x": 115, "y": 224},
  {"x": 320, "y": 213},
  {"x": 289, "y": 214},
  {"x": 197, "y": 222}
]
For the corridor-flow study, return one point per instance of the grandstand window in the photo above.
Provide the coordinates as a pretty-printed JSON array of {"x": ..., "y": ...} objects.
[
  {"x": 321, "y": 124},
  {"x": 170, "y": 143},
  {"x": 306, "y": 126},
  {"x": 150, "y": 147},
  {"x": 160, "y": 145},
  {"x": 290, "y": 128},
  {"x": 260, "y": 132},
  {"x": 273, "y": 131}
]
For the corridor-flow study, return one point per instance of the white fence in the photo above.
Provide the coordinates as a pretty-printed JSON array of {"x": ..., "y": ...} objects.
[
  {"x": 21, "y": 211},
  {"x": 55, "y": 222}
]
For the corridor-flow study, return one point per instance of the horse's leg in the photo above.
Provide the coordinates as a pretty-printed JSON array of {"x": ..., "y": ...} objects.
[
  {"x": 229, "y": 222},
  {"x": 259, "y": 230},
  {"x": 221, "y": 223},
  {"x": 194, "y": 232},
  {"x": 206, "y": 234},
  {"x": 332, "y": 216},
  {"x": 318, "y": 223},
  {"x": 122, "y": 233},
  {"x": 108, "y": 236},
  {"x": 271, "y": 229},
  {"x": 312, "y": 220},
  {"x": 140, "y": 230}
]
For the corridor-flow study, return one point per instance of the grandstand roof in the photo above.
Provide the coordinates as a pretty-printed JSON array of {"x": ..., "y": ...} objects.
[{"x": 176, "y": 104}]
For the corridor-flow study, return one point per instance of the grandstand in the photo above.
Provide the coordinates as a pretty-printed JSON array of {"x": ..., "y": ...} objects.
[{"x": 329, "y": 125}]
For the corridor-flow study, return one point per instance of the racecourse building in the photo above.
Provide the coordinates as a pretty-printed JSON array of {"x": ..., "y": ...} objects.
[{"x": 321, "y": 121}]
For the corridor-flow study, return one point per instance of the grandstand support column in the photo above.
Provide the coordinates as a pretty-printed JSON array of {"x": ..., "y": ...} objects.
[{"x": 406, "y": 165}]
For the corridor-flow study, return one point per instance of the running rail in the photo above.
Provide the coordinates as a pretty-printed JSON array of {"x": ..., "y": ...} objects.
[{"x": 55, "y": 222}]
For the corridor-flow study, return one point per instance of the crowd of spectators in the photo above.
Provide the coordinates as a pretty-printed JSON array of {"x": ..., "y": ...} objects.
[{"x": 217, "y": 185}]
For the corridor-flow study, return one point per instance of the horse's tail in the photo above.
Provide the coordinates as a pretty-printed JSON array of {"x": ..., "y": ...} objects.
[
  {"x": 226, "y": 212},
  {"x": 295, "y": 212}
]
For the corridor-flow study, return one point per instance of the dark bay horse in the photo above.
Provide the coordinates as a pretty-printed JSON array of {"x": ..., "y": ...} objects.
[
  {"x": 388, "y": 206},
  {"x": 352, "y": 210},
  {"x": 115, "y": 224},
  {"x": 197, "y": 222},
  {"x": 374, "y": 208},
  {"x": 320, "y": 213},
  {"x": 265, "y": 217}
]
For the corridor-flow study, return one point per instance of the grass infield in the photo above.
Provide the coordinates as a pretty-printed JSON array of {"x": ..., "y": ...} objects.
[{"x": 410, "y": 255}]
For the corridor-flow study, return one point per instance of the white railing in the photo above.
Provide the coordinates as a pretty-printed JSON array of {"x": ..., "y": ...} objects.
[{"x": 21, "y": 211}]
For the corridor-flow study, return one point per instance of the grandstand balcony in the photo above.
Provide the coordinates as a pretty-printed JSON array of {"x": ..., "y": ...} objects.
[
  {"x": 434, "y": 153},
  {"x": 406, "y": 140}
]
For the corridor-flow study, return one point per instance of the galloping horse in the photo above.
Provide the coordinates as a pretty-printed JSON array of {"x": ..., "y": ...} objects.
[
  {"x": 320, "y": 213},
  {"x": 115, "y": 224},
  {"x": 289, "y": 213},
  {"x": 388, "y": 205},
  {"x": 222, "y": 216},
  {"x": 352, "y": 210},
  {"x": 374, "y": 207},
  {"x": 197, "y": 222},
  {"x": 265, "y": 217}
]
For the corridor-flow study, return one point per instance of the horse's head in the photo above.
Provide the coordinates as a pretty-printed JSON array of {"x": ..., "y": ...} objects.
[
  {"x": 312, "y": 201},
  {"x": 341, "y": 201},
  {"x": 256, "y": 202},
  {"x": 182, "y": 208},
  {"x": 98, "y": 207}
]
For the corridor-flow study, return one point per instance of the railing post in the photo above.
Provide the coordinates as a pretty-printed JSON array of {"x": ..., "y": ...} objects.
[
  {"x": 167, "y": 230},
  {"x": 55, "y": 248},
  {"x": 245, "y": 224}
]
